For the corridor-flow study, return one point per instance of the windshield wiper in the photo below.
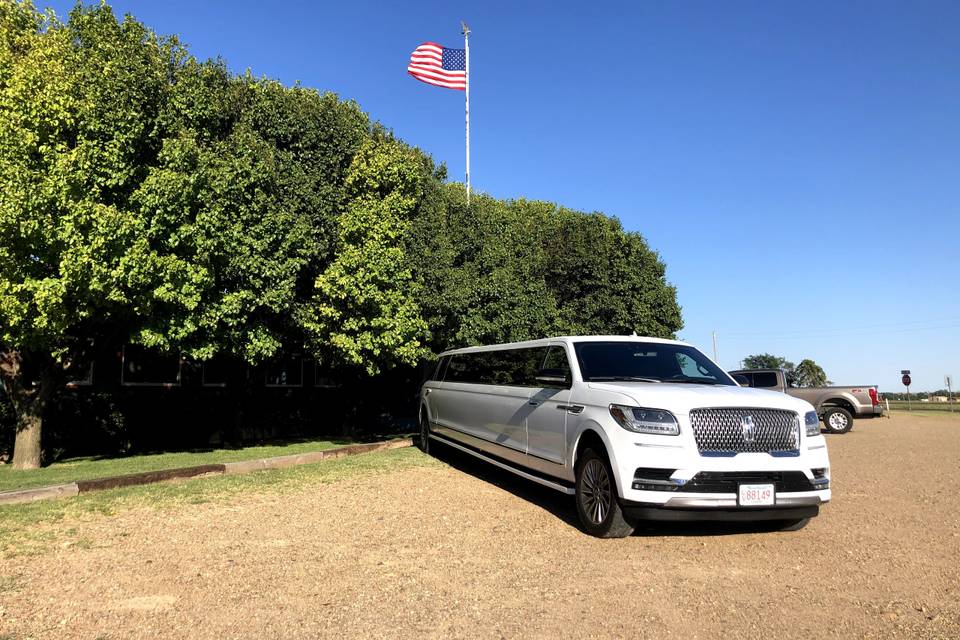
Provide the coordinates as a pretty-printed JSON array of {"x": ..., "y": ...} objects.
[
  {"x": 622, "y": 378},
  {"x": 691, "y": 381}
]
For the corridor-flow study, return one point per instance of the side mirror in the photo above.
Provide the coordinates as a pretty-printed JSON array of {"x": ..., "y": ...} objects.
[
  {"x": 742, "y": 380},
  {"x": 552, "y": 377}
]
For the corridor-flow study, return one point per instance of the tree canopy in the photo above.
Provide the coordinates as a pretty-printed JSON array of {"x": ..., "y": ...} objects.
[
  {"x": 147, "y": 197},
  {"x": 809, "y": 374},
  {"x": 767, "y": 361},
  {"x": 806, "y": 374}
]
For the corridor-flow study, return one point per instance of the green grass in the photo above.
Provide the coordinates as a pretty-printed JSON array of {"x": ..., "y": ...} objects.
[
  {"x": 925, "y": 412},
  {"x": 37, "y": 527},
  {"x": 74, "y": 469},
  {"x": 916, "y": 405}
]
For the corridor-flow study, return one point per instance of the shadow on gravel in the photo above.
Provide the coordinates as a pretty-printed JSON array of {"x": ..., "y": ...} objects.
[{"x": 562, "y": 506}]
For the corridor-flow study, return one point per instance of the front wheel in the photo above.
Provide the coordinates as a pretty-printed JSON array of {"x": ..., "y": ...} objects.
[
  {"x": 424, "y": 440},
  {"x": 597, "y": 502},
  {"x": 794, "y": 525},
  {"x": 837, "y": 420}
]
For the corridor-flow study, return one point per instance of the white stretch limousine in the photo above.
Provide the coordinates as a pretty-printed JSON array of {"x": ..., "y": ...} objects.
[{"x": 636, "y": 428}]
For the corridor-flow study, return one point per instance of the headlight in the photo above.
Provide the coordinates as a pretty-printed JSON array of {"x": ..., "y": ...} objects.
[
  {"x": 812, "y": 421},
  {"x": 640, "y": 420}
]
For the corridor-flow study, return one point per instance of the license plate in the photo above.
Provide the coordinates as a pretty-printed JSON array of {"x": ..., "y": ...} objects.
[{"x": 756, "y": 495}]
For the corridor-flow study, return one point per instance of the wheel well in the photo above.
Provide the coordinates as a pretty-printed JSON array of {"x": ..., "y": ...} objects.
[
  {"x": 838, "y": 402},
  {"x": 590, "y": 439}
]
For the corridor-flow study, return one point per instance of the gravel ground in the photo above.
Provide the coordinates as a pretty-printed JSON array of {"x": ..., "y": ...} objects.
[{"x": 459, "y": 549}]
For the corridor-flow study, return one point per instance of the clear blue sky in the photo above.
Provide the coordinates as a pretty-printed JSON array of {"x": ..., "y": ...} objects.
[{"x": 797, "y": 166}]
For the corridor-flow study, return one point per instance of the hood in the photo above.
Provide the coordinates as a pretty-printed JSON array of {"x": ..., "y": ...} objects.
[{"x": 681, "y": 398}]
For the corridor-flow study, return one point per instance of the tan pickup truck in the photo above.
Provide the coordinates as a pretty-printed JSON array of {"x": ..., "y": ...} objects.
[{"x": 836, "y": 406}]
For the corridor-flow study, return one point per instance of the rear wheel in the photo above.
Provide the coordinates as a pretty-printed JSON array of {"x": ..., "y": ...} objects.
[
  {"x": 837, "y": 420},
  {"x": 597, "y": 502}
]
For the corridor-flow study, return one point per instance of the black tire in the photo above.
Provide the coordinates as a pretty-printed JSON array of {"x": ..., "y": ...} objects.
[
  {"x": 423, "y": 441},
  {"x": 596, "y": 495},
  {"x": 794, "y": 525},
  {"x": 837, "y": 420}
]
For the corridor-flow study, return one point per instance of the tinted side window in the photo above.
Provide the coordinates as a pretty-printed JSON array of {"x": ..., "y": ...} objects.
[
  {"x": 440, "y": 369},
  {"x": 501, "y": 367},
  {"x": 460, "y": 369},
  {"x": 557, "y": 359},
  {"x": 764, "y": 379},
  {"x": 530, "y": 364},
  {"x": 510, "y": 367}
]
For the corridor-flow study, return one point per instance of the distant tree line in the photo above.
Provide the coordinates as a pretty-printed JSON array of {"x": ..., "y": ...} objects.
[
  {"x": 150, "y": 198},
  {"x": 920, "y": 395},
  {"x": 806, "y": 374}
]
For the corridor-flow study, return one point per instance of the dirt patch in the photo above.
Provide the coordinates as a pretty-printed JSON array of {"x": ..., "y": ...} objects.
[{"x": 465, "y": 550}]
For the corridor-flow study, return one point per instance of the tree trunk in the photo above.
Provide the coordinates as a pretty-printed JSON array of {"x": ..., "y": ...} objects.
[
  {"x": 26, "y": 448},
  {"x": 29, "y": 398}
]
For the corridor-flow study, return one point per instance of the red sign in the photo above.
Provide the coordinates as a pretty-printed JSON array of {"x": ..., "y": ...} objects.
[{"x": 906, "y": 380}]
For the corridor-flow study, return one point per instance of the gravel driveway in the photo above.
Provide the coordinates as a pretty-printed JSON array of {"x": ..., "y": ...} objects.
[{"x": 454, "y": 548}]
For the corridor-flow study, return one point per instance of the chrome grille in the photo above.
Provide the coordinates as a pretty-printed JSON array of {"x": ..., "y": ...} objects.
[{"x": 722, "y": 431}]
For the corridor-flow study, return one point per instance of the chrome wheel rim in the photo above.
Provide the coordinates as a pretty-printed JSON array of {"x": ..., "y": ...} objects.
[
  {"x": 595, "y": 493},
  {"x": 838, "y": 421}
]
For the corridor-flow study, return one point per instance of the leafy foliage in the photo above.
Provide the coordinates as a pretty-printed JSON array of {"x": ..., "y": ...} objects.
[
  {"x": 148, "y": 197},
  {"x": 767, "y": 361},
  {"x": 809, "y": 374}
]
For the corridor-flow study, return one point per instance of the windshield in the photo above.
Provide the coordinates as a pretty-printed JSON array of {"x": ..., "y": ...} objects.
[{"x": 647, "y": 362}]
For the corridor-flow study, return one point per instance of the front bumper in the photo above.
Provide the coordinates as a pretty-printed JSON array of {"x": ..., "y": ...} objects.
[
  {"x": 642, "y": 511},
  {"x": 695, "y": 486}
]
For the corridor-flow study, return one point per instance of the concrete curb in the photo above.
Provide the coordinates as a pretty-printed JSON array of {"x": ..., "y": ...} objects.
[
  {"x": 164, "y": 475},
  {"x": 39, "y": 493}
]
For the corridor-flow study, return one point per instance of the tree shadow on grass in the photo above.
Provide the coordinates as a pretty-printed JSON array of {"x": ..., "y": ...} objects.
[
  {"x": 269, "y": 442},
  {"x": 563, "y": 507}
]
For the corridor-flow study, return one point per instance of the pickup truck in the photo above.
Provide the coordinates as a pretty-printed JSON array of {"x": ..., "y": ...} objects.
[{"x": 836, "y": 406}]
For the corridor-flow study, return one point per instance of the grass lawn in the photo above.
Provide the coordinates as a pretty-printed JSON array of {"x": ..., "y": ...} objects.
[
  {"x": 74, "y": 469},
  {"x": 37, "y": 527},
  {"x": 916, "y": 405},
  {"x": 924, "y": 412}
]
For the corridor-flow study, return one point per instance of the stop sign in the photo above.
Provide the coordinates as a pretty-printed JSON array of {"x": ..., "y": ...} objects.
[{"x": 906, "y": 380}]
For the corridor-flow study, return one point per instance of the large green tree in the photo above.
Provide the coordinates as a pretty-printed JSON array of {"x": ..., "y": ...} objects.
[
  {"x": 78, "y": 115},
  {"x": 148, "y": 197},
  {"x": 809, "y": 374},
  {"x": 364, "y": 311}
]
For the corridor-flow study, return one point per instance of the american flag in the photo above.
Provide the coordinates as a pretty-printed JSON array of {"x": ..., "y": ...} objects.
[{"x": 439, "y": 66}]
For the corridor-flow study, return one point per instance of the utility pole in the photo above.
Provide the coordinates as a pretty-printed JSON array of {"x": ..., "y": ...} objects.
[{"x": 715, "y": 346}]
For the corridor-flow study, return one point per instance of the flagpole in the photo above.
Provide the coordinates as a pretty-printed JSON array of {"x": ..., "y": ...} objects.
[{"x": 466, "y": 73}]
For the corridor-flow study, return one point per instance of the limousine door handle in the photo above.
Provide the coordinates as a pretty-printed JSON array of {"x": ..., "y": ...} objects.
[
  {"x": 534, "y": 402},
  {"x": 571, "y": 408}
]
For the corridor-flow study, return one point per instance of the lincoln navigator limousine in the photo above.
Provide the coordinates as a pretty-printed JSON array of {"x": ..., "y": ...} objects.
[{"x": 635, "y": 428}]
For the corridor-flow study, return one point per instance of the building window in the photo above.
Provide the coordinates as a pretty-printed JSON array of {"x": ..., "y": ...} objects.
[
  {"x": 287, "y": 372},
  {"x": 141, "y": 367}
]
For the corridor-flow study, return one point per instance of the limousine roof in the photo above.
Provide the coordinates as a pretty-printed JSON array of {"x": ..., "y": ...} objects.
[{"x": 542, "y": 342}]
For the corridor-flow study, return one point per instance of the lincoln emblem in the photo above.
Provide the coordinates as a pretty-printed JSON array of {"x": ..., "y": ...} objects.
[{"x": 749, "y": 428}]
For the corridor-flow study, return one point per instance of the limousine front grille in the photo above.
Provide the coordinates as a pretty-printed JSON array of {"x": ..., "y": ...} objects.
[
  {"x": 728, "y": 481},
  {"x": 729, "y": 431}
]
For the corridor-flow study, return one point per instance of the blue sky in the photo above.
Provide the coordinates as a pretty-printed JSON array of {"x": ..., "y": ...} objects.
[{"x": 797, "y": 166}]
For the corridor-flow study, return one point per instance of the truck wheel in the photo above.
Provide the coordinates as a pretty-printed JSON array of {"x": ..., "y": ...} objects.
[
  {"x": 837, "y": 420},
  {"x": 597, "y": 502}
]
